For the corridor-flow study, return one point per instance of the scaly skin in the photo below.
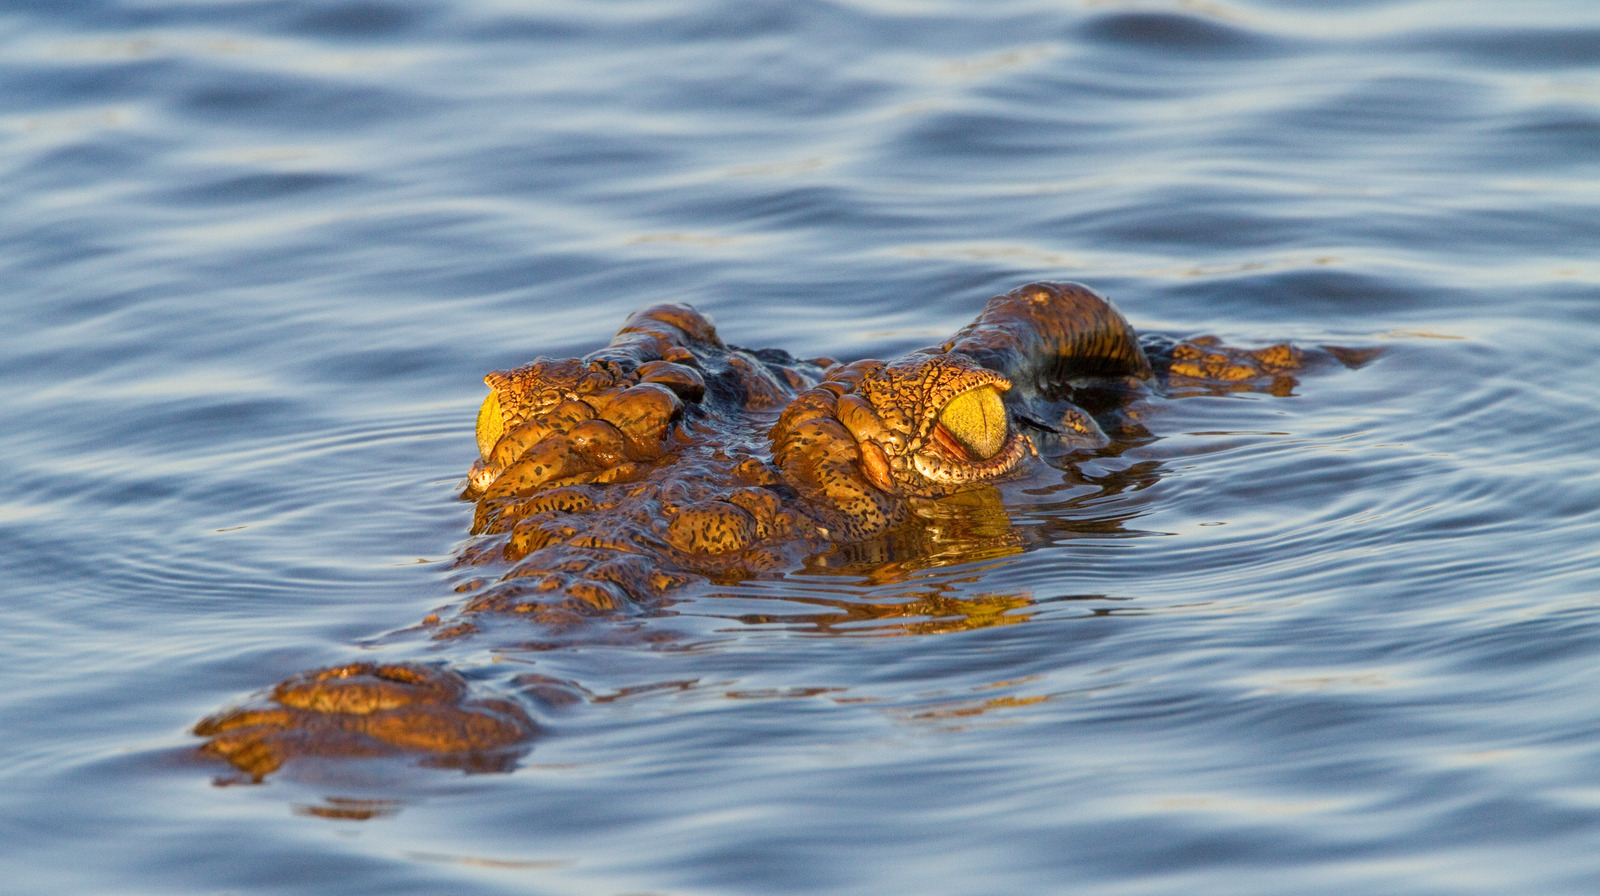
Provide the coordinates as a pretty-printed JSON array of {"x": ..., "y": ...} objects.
[
  {"x": 609, "y": 481},
  {"x": 365, "y": 709}
]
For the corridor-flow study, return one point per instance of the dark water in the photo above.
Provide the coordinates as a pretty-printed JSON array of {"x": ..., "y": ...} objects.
[{"x": 256, "y": 256}]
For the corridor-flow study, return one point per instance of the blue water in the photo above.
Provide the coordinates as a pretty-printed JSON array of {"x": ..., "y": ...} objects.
[{"x": 257, "y": 256}]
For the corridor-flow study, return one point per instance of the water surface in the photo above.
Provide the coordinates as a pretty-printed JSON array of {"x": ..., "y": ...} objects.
[{"x": 257, "y": 256}]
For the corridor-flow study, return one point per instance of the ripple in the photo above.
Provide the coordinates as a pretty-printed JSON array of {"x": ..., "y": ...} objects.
[
  {"x": 1541, "y": 48},
  {"x": 358, "y": 20},
  {"x": 1185, "y": 33}
]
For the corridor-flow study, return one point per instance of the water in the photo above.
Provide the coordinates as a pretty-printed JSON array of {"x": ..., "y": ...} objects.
[{"x": 256, "y": 256}]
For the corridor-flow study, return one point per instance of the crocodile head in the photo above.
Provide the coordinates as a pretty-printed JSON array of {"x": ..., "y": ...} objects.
[{"x": 608, "y": 481}]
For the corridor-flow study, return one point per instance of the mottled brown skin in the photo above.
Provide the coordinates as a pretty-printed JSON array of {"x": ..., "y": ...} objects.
[
  {"x": 606, "y": 482},
  {"x": 369, "y": 710}
]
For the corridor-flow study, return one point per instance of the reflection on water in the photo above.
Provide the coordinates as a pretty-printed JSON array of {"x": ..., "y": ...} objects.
[
  {"x": 965, "y": 528},
  {"x": 916, "y": 612},
  {"x": 348, "y": 809}
]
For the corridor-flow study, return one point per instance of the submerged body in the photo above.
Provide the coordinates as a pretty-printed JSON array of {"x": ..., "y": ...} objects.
[{"x": 608, "y": 481}]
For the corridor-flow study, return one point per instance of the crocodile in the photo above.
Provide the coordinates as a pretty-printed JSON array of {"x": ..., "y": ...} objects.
[{"x": 608, "y": 482}]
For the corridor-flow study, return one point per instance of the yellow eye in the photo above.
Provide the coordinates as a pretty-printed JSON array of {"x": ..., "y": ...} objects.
[
  {"x": 977, "y": 419},
  {"x": 491, "y": 425}
]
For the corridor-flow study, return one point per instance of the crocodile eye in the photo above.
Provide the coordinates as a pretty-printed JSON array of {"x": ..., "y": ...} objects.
[
  {"x": 976, "y": 419},
  {"x": 491, "y": 424}
]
